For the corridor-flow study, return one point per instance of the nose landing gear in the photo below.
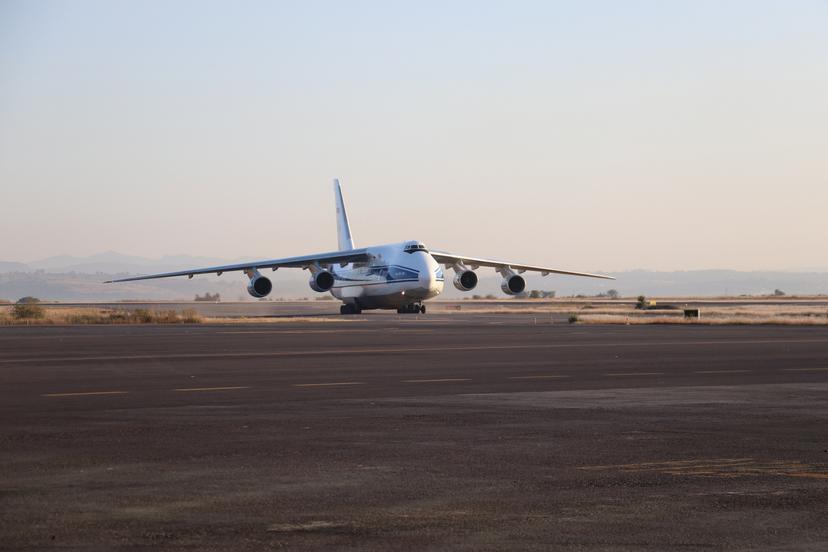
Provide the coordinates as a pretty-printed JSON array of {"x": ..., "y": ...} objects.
[{"x": 412, "y": 309}]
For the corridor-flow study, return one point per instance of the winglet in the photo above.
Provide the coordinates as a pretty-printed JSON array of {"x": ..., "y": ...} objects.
[{"x": 343, "y": 229}]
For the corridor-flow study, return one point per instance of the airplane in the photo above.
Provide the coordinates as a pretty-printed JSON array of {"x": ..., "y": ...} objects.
[{"x": 393, "y": 276}]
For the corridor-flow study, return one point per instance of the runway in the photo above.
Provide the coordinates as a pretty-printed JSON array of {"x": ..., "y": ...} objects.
[{"x": 446, "y": 431}]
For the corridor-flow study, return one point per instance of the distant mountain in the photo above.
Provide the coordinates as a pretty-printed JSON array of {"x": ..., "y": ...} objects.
[
  {"x": 9, "y": 266},
  {"x": 111, "y": 262},
  {"x": 68, "y": 278},
  {"x": 691, "y": 282}
]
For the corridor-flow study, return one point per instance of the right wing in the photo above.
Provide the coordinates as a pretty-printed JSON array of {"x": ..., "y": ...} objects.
[
  {"x": 449, "y": 259},
  {"x": 321, "y": 259}
]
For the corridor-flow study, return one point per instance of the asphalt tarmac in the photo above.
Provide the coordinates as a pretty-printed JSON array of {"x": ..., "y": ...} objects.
[{"x": 437, "y": 432}]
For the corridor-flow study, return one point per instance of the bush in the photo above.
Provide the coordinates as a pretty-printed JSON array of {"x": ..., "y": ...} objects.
[
  {"x": 573, "y": 318},
  {"x": 138, "y": 316},
  {"x": 28, "y": 300},
  {"x": 642, "y": 303},
  {"x": 28, "y": 311},
  {"x": 214, "y": 297}
]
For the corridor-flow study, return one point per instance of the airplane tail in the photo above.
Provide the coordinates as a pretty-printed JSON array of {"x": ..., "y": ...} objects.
[{"x": 343, "y": 229}]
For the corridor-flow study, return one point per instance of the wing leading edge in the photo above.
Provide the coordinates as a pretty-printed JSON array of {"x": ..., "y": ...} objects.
[
  {"x": 304, "y": 261},
  {"x": 450, "y": 259}
]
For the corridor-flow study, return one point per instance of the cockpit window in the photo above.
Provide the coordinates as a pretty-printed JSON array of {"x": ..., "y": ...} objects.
[{"x": 411, "y": 247}]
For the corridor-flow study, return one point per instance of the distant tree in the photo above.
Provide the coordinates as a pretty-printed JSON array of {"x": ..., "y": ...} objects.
[
  {"x": 535, "y": 294},
  {"x": 491, "y": 297},
  {"x": 28, "y": 311},
  {"x": 778, "y": 292},
  {"x": 28, "y": 300},
  {"x": 215, "y": 297},
  {"x": 641, "y": 303},
  {"x": 613, "y": 294}
]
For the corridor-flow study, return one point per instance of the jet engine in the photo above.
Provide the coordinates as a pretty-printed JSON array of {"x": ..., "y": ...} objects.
[
  {"x": 323, "y": 280},
  {"x": 259, "y": 286},
  {"x": 465, "y": 280},
  {"x": 513, "y": 284}
]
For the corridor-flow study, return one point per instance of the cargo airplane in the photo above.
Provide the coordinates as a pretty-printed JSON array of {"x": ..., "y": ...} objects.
[{"x": 395, "y": 276}]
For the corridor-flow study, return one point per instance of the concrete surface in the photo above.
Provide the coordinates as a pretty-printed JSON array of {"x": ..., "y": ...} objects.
[{"x": 388, "y": 432}]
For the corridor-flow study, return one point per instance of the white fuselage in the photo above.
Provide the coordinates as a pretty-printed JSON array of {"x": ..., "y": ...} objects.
[{"x": 399, "y": 274}]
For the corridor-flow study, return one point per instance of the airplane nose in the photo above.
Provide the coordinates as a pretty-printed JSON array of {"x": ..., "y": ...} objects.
[
  {"x": 427, "y": 278},
  {"x": 428, "y": 274}
]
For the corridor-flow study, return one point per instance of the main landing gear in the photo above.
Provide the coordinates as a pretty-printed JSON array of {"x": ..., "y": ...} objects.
[
  {"x": 347, "y": 308},
  {"x": 412, "y": 309}
]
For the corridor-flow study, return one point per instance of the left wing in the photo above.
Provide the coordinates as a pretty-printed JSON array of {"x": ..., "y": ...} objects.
[
  {"x": 449, "y": 259},
  {"x": 320, "y": 259}
]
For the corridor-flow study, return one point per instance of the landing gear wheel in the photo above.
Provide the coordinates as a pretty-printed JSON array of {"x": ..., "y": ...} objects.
[
  {"x": 422, "y": 309},
  {"x": 349, "y": 309},
  {"x": 411, "y": 309}
]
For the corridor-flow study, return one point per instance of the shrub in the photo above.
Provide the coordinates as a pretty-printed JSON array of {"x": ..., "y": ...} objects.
[
  {"x": 138, "y": 316},
  {"x": 189, "y": 316},
  {"x": 28, "y": 311},
  {"x": 28, "y": 300},
  {"x": 573, "y": 318},
  {"x": 642, "y": 303}
]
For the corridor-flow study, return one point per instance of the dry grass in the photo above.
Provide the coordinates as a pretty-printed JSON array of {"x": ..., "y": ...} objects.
[
  {"x": 704, "y": 320},
  {"x": 604, "y": 313},
  {"x": 70, "y": 316},
  {"x": 280, "y": 320}
]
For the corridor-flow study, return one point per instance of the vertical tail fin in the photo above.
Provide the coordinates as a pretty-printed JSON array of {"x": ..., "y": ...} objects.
[{"x": 343, "y": 229}]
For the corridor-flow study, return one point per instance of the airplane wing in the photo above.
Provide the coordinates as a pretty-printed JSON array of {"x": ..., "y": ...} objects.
[
  {"x": 321, "y": 259},
  {"x": 450, "y": 259}
]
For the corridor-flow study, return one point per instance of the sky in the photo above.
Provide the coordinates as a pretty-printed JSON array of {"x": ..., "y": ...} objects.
[{"x": 595, "y": 135}]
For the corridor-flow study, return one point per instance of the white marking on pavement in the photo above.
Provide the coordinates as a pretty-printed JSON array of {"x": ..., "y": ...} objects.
[
  {"x": 385, "y": 350},
  {"x": 823, "y": 369},
  {"x": 443, "y": 380},
  {"x": 550, "y": 376},
  {"x": 87, "y": 393},
  {"x": 330, "y": 384},
  {"x": 635, "y": 374},
  {"x": 722, "y": 371},
  {"x": 188, "y": 389}
]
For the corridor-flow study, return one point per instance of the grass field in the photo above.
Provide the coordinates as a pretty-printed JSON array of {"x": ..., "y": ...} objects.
[
  {"x": 36, "y": 315},
  {"x": 606, "y": 312},
  {"x": 580, "y": 312}
]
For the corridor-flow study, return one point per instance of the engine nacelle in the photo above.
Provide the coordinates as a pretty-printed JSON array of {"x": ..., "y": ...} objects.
[
  {"x": 466, "y": 280},
  {"x": 323, "y": 280},
  {"x": 513, "y": 284},
  {"x": 259, "y": 286}
]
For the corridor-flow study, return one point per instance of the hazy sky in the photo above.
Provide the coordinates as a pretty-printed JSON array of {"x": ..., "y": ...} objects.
[{"x": 589, "y": 135}]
